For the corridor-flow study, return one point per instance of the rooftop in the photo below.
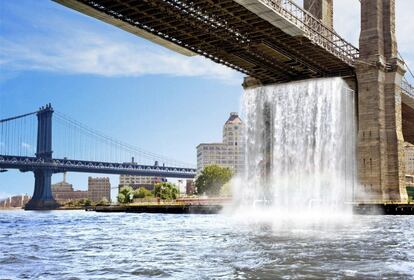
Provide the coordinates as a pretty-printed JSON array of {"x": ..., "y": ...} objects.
[{"x": 234, "y": 119}]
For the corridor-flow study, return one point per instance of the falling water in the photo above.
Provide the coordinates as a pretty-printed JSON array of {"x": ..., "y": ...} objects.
[{"x": 300, "y": 148}]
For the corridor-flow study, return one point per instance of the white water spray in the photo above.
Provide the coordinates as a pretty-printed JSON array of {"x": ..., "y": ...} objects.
[{"x": 300, "y": 157}]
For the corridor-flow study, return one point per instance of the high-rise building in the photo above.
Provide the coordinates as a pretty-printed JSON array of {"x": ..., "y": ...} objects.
[
  {"x": 99, "y": 188},
  {"x": 409, "y": 159},
  {"x": 230, "y": 153}
]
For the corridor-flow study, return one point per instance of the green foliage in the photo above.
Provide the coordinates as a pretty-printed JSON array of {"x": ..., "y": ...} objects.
[
  {"x": 78, "y": 203},
  {"x": 211, "y": 179},
  {"x": 142, "y": 193},
  {"x": 226, "y": 189},
  {"x": 166, "y": 190},
  {"x": 103, "y": 202},
  {"x": 70, "y": 203},
  {"x": 125, "y": 195},
  {"x": 87, "y": 202},
  {"x": 121, "y": 198}
]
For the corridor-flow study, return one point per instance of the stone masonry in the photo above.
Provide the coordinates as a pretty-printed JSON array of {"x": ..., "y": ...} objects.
[
  {"x": 321, "y": 9},
  {"x": 379, "y": 73}
]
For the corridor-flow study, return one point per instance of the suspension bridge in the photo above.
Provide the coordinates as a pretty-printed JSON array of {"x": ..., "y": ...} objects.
[
  {"x": 278, "y": 41},
  {"x": 26, "y": 144}
]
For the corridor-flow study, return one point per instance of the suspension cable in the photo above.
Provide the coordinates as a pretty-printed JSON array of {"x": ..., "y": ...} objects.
[
  {"x": 112, "y": 142},
  {"x": 17, "y": 117}
]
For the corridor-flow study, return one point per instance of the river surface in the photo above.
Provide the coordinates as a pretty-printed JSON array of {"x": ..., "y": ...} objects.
[{"x": 88, "y": 245}]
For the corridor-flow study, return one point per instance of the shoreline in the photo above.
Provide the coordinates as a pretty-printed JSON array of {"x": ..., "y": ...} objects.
[{"x": 216, "y": 208}]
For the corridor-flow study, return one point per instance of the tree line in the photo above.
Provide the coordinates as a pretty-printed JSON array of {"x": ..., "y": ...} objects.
[{"x": 213, "y": 180}]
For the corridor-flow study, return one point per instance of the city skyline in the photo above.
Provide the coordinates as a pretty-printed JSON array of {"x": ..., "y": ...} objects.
[{"x": 146, "y": 97}]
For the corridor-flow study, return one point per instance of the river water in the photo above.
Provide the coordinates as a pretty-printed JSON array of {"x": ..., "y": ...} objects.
[{"x": 88, "y": 245}]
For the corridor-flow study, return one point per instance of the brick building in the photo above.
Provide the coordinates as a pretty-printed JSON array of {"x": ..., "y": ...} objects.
[{"x": 99, "y": 188}]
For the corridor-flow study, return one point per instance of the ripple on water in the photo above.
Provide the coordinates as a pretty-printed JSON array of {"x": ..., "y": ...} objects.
[{"x": 83, "y": 245}]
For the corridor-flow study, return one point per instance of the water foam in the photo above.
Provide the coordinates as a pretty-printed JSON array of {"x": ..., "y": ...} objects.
[{"x": 300, "y": 152}]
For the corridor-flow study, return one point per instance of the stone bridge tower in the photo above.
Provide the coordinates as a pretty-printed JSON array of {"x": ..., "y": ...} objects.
[
  {"x": 322, "y": 9},
  {"x": 379, "y": 74}
]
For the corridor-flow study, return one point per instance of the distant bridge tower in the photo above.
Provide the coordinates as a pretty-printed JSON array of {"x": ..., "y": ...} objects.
[
  {"x": 42, "y": 196},
  {"x": 321, "y": 9},
  {"x": 379, "y": 74}
]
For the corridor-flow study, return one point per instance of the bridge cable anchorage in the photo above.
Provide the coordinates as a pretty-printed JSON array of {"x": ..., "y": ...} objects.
[{"x": 94, "y": 144}]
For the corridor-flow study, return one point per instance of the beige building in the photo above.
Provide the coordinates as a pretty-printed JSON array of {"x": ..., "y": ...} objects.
[
  {"x": 136, "y": 182},
  {"x": 18, "y": 201},
  {"x": 409, "y": 158},
  {"x": 64, "y": 192},
  {"x": 229, "y": 153},
  {"x": 99, "y": 188}
]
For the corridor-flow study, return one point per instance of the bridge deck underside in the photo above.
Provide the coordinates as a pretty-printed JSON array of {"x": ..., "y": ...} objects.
[
  {"x": 227, "y": 33},
  {"x": 408, "y": 123}
]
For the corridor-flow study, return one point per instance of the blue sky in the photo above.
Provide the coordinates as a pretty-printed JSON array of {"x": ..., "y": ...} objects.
[{"x": 122, "y": 85}]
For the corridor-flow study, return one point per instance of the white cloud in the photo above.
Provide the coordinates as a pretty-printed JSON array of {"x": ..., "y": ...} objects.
[
  {"x": 26, "y": 146},
  {"x": 67, "y": 45},
  {"x": 92, "y": 54}
]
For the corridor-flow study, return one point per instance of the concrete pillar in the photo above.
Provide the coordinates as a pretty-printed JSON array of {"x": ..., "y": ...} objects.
[
  {"x": 321, "y": 9},
  {"x": 379, "y": 72}
]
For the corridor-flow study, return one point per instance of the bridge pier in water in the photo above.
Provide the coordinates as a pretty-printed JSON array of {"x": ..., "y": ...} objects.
[
  {"x": 42, "y": 196},
  {"x": 379, "y": 72}
]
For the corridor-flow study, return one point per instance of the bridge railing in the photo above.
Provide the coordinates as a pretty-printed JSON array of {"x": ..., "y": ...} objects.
[
  {"x": 407, "y": 88},
  {"x": 315, "y": 30}
]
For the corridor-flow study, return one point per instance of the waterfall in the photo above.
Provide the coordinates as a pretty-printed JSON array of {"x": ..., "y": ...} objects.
[{"x": 300, "y": 147}]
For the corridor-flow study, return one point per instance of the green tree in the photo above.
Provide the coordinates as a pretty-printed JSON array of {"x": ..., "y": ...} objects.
[
  {"x": 142, "y": 193},
  {"x": 121, "y": 198},
  {"x": 226, "y": 189},
  {"x": 166, "y": 190},
  {"x": 103, "y": 202},
  {"x": 211, "y": 179},
  {"x": 87, "y": 202},
  {"x": 125, "y": 194}
]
